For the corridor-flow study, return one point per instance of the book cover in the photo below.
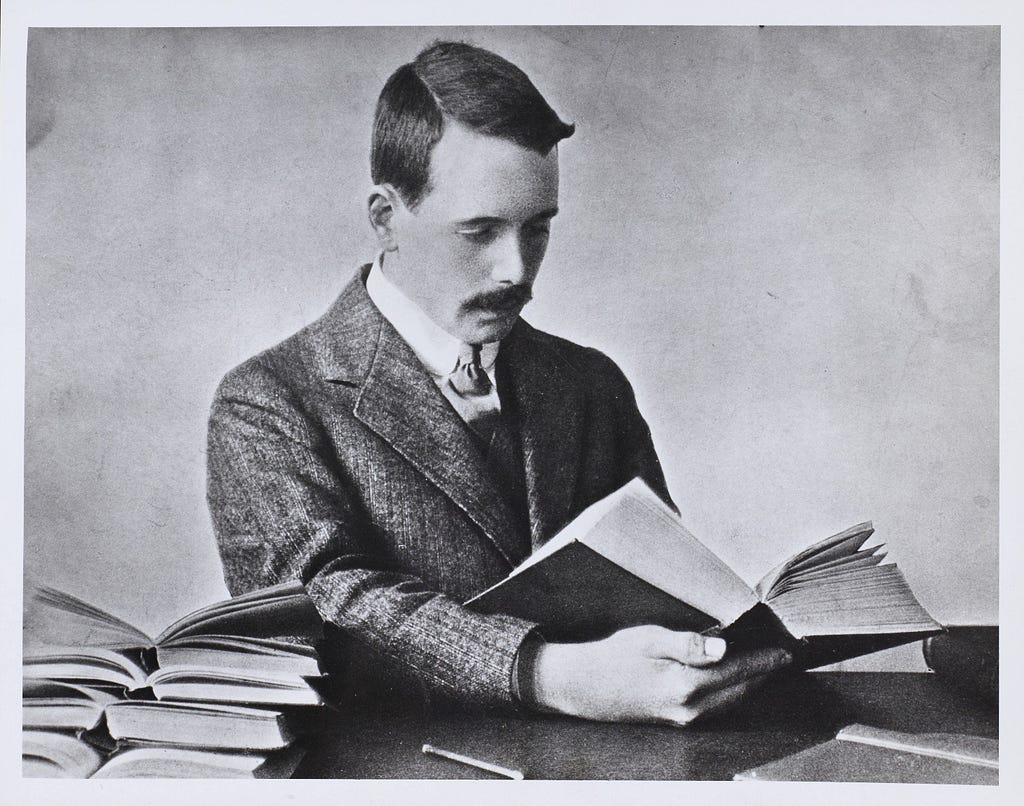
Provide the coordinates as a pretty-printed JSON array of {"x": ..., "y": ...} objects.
[{"x": 861, "y": 753}]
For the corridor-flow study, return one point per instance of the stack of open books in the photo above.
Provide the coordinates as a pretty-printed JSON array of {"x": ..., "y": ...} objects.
[{"x": 222, "y": 692}]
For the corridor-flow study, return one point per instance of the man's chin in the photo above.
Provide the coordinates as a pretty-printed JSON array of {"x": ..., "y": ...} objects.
[{"x": 484, "y": 327}]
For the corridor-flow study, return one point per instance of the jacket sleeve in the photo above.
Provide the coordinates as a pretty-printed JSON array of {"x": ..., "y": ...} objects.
[{"x": 281, "y": 510}]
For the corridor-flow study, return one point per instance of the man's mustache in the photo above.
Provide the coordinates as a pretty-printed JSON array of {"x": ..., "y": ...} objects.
[{"x": 507, "y": 298}]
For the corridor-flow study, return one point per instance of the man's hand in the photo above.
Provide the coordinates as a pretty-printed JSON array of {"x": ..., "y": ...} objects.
[{"x": 648, "y": 674}]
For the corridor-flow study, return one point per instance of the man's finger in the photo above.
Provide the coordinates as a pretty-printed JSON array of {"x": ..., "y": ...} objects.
[
  {"x": 735, "y": 669},
  {"x": 688, "y": 648},
  {"x": 714, "y": 702}
]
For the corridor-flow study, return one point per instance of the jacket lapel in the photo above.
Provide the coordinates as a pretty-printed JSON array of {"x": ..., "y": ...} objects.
[
  {"x": 551, "y": 416},
  {"x": 400, "y": 402}
]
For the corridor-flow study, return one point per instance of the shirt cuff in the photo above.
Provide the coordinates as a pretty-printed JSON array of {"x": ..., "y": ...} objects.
[{"x": 523, "y": 688}]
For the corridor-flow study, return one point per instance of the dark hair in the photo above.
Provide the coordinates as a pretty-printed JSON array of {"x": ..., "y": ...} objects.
[{"x": 453, "y": 80}]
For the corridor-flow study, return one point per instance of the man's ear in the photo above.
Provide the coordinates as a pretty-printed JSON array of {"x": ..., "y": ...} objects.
[{"x": 383, "y": 202}]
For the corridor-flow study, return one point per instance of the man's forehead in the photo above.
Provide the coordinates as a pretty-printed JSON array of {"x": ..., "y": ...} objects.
[{"x": 474, "y": 175}]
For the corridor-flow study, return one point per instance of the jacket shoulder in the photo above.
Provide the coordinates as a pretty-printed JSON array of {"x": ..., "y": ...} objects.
[
  {"x": 335, "y": 345},
  {"x": 588, "y": 363},
  {"x": 276, "y": 367}
]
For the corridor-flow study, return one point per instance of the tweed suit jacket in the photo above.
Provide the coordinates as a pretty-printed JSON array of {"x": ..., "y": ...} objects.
[{"x": 334, "y": 459}]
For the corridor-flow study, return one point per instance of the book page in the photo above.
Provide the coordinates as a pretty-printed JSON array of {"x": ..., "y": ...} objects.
[
  {"x": 864, "y": 558},
  {"x": 231, "y": 689},
  {"x": 637, "y": 531},
  {"x": 179, "y": 762},
  {"x": 219, "y": 675},
  {"x": 68, "y": 756},
  {"x": 45, "y": 690},
  {"x": 57, "y": 619},
  {"x": 86, "y": 664},
  {"x": 839, "y": 545},
  {"x": 226, "y": 653},
  {"x": 282, "y": 609},
  {"x": 641, "y": 534},
  {"x": 860, "y": 601},
  {"x": 241, "y": 643},
  {"x": 646, "y": 538},
  {"x": 216, "y": 708}
]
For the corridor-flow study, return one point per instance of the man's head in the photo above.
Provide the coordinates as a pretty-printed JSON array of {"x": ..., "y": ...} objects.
[{"x": 465, "y": 174}]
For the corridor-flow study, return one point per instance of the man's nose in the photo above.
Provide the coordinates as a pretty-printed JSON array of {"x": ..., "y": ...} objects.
[{"x": 510, "y": 265}]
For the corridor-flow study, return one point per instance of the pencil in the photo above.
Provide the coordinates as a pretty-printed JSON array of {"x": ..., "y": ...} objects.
[{"x": 505, "y": 772}]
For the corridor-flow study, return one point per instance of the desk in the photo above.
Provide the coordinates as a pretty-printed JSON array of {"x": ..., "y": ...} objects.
[{"x": 792, "y": 713}]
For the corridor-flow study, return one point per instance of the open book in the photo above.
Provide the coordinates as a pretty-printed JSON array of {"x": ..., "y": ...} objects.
[
  {"x": 57, "y": 754},
  {"x": 65, "y": 705},
  {"x": 156, "y": 761},
  {"x": 244, "y": 650},
  {"x": 628, "y": 560},
  {"x": 203, "y": 725}
]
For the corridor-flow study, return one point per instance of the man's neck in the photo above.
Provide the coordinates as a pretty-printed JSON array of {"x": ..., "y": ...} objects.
[{"x": 436, "y": 348}]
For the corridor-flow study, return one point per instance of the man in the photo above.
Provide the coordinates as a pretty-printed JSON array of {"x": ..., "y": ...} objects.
[{"x": 412, "y": 446}]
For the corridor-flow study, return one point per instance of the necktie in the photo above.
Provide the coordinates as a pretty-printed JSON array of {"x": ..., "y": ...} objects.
[
  {"x": 469, "y": 378},
  {"x": 472, "y": 393}
]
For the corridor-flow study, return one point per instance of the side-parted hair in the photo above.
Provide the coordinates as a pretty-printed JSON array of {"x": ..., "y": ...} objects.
[{"x": 453, "y": 80}]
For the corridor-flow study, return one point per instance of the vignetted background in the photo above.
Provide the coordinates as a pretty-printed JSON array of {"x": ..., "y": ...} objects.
[{"x": 787, "y": 237}]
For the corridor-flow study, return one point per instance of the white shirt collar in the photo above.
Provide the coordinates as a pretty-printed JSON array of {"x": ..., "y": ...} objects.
[{"x": 435, "y": 347}]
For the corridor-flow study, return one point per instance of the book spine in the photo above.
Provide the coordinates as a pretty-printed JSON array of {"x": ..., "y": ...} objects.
[
  {"x": 760, "y": 628},
  {"x": 149, "y": 660},
  {"x": 967, "y": 658}
]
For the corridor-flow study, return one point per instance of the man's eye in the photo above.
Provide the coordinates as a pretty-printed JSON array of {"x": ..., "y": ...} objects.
[{"x": 478, "y": 233}]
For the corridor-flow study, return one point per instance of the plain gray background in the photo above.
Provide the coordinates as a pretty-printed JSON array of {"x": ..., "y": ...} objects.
[{"x": 787, "y": 237}]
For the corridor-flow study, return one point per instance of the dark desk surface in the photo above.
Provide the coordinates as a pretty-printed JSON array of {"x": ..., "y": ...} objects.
[{"x": 792, "y": 714}]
